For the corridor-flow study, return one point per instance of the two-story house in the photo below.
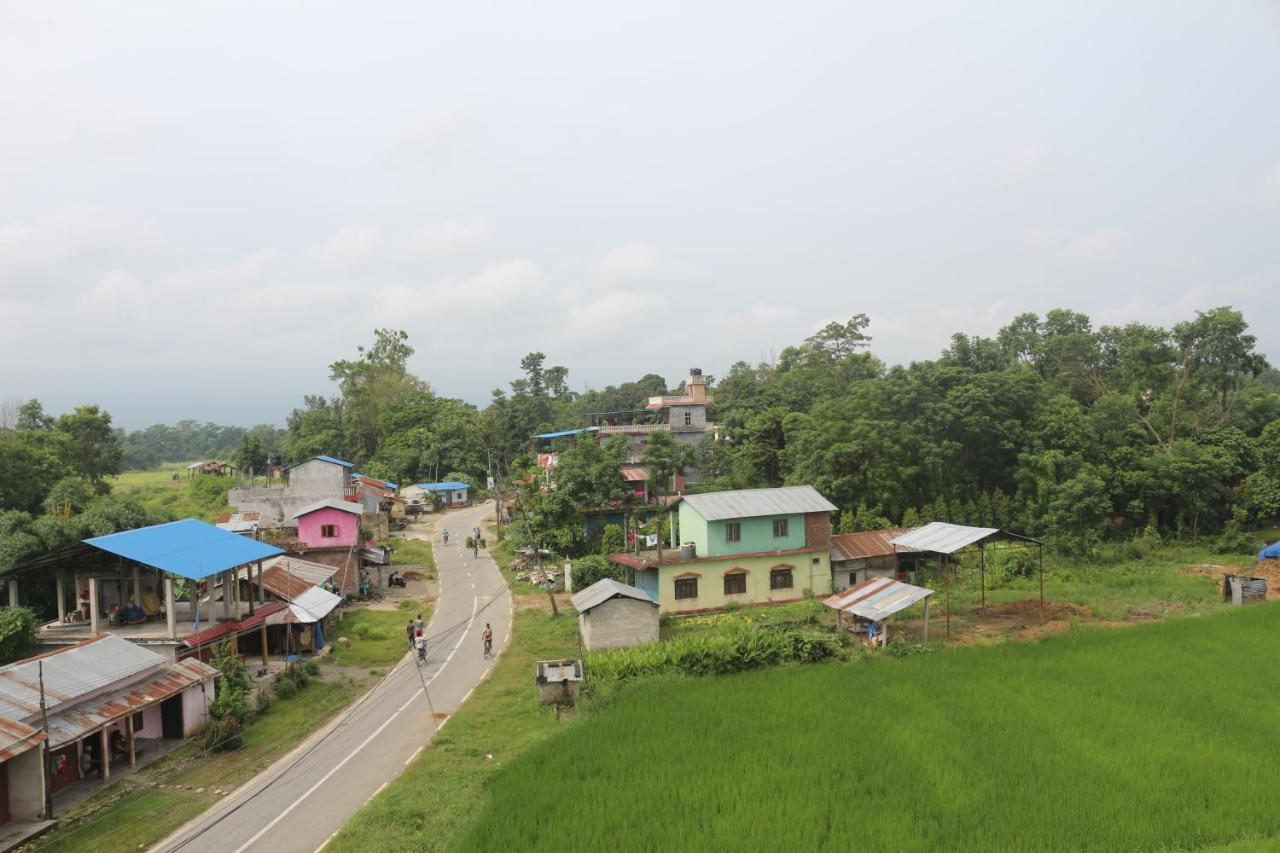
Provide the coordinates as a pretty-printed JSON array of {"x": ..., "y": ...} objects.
[{"x": 751, "y": 546}]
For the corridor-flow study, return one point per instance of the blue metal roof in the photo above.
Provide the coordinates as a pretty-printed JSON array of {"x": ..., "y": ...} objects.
[
  {"x": 565, "y": 432},
  {"x": 324, "y": 459},
  {"x": 449, "y": 486},
  {"x": 190, "y": 548}
]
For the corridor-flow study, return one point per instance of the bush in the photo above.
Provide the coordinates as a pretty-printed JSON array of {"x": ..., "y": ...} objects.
[
  {"x": 737, "y": 650},
  {"x": 262, "y": 700},
  {"x": 300, "y": 676},
  {"x": 312, "y": 667},
  {"x": 223, "y": 735},
  {"x": 591, "y": 568},
  {"x": 17, "y": 632},
  {"x": 612, "y": 540},
  {"x": 1233, "y": 540},
  {"x": 231, "y": 700},
  {"x": 283, "y": 686}
]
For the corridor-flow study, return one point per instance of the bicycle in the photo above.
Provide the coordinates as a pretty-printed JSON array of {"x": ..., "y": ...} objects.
[{"x": 488, "y": 646}]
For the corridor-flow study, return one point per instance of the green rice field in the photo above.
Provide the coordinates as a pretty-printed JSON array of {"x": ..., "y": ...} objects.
[{"x": 1162, "y": 736}]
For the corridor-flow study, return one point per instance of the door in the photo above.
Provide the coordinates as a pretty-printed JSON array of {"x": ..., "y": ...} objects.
[
  {"x": 4, "y": 792},
  {"x": 171, "y": 717}
]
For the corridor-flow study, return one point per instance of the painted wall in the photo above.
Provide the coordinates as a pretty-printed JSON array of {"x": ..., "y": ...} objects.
[
  {"x": 26, "y": 784},
  {"x": 347, "y": 524},
  {"x": 195, "y": 707},
  {"x": 757, "y": 533},
  {"x": 811, "y": 570},
  {"x": 619, "y": 623}
]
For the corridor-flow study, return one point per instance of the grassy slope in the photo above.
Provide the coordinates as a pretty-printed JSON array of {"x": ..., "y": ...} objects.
[
  {"x": 1146, "y": 738},
  {"x": 412, "y": 552},
  {"x": 440, "y": 792},
  {"x": 204, "y": 498},
  {"x": 130, "y": 813}
]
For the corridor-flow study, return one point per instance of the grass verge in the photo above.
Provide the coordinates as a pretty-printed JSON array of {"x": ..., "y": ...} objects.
[{"x": 441, "y": 791}]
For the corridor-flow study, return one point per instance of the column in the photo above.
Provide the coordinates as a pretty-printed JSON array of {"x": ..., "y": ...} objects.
[
  {"x": 226, "y": 595},
  {"x": 106, "y": 757},
  {"x": 264, "y": 644},
  {"x": 137, "y": 586},
  {"x": 62, "y": 597},
  {"x": 170, "y": 618},
  {"x": 13, "y": 592},
  {"x": 133, "y": 753},
  {"x": 93, "y": 604},
  {"x": 75, "y": 592},
  {"x": 262, "y": 595}
]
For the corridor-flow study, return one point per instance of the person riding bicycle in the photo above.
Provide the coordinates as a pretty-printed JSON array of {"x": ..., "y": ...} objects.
[{"x": 488, "y": 639}]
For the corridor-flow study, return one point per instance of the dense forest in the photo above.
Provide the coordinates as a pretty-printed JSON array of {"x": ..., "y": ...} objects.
[{"x": 1052, "y": 427}]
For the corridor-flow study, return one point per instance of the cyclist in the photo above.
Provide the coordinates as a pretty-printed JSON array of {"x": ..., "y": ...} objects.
[
  {"x": 446, "y": 536},
  {"x": 421, "y": 642},
  {"x": 488, "y": 640}
]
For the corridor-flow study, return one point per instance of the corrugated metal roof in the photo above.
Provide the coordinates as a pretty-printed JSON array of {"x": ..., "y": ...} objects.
[
  {"x": 16, "y": 738},
  {"x": 222, "y": 630},
  {"x": 288, "y": 577},
  {"x": 877, "y": 598},
  {"x": 603, "y": 590},
  {"x": 565, "y": 432},
  {"x": 70, "y": 673},
  {"x": 190, "y": 548},
  {"x": 941, "y": 537},
  {"x": 867, "y": 543},
  {"x": 80, "y": 719},
  {"x": 447, "y": 486},
  {"x": 635, "y": 473},
  {"x": 749, "y": 503},
  {"x": 313, "y": 605},
  {"x": 330, "y": 503}
]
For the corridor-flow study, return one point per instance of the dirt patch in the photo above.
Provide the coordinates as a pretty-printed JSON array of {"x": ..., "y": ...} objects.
[
  {"x": 413, "y": 576},
  {"x": 1030, "y": 607},
  {"x": 1269, "y": 569}
]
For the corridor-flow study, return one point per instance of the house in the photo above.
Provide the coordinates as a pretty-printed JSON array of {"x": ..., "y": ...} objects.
[
  {"x": 109, "y": 701},
  {"x": 329, "y": 523},
  {"x": 855, "y": 557},
  {"x": 22, "y": 774},
  {"x": 748, "y": 546},
  {"x": 314, "y": 479},
  {"x": 449, "y": 493},
  {"x": 612, "y": 615}
]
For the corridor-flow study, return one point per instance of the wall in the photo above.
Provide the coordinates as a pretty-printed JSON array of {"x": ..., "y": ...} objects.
[
  {"x": 757, "y": 535},
  {"x": 807, "y": 575},
  {"x": 347, "y": 524},
  {"x": 26, "y": 784},
  {"x": 692, "y": 528},
  {"x": 316, "y": 475},
  {"x": 309, "y": 482},
  {"x": 697, "y": 418},
  {"x": 195, "y": 707},
  {"x": 619, "y": 623}
]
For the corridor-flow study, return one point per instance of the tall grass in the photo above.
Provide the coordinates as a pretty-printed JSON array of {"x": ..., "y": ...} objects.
[
  {"x": 1162, "y": 736},
  {"x": 738, "y": 649}
]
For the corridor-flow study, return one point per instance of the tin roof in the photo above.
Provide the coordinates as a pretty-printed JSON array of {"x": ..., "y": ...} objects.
[
  {"x": 222, "y": 630},
  {"x": 323, "y": 459},
  {"x": 605, "y": 589},
  {"x": 877, "y": 598},
  {"x": 71, "y": 673},
  {"x": 564, "y": 432},
  {"x": 289, "y": 577},
  {"x": 16, "y": 738},
  {"x": 941, "y": 537},
  {"x": 313, "y": 605},
  {"x": 190, "y": 548},
  {"x": 867, "y": 543},
  {"x": 330, "y": 503},
  {"x": 82, "y": 718},
  {"x": 749, "y": 503},
  {"x": 635, "y": 473},
  {"x": 447, "y": 486}
]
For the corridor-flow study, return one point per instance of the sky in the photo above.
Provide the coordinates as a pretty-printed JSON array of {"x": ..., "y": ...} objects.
[{"x": 203, "y": 205}]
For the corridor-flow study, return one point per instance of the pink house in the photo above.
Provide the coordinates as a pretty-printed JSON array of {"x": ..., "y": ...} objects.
[{"x": 330, "y": 523}]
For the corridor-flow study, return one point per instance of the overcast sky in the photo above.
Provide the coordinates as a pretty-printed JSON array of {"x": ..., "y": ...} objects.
[{"x": 204, "y": 204}]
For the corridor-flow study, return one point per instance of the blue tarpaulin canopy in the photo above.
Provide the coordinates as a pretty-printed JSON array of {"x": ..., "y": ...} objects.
[
  {"x": 1271, "y": 552},
  {"x": 190, "y": 548},
  {"x": 447, "y": 486}
]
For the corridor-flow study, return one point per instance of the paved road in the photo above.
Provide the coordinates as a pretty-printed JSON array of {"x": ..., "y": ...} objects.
[{"x": 297, "y": 803}]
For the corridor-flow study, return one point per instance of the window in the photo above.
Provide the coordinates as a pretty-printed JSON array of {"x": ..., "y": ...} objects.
[
  {"x": 732, "y": 531},
  {"x": 688, "y": 418},
  {"x": 781, "y": 579},
  {"x": 686, "y": 588},
  {"x": 735, "y": 583},
  {"x": 780, "y": 528},
  {"x": 328, "y": 531}
]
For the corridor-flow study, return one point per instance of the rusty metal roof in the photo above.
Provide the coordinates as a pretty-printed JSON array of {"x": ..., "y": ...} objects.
[
  {"x": 751, "y": 503},
  {"x": 867, "y": 543},
  {"x": 71, "y": 673},
  {"x": 289, "y": 577},
  {"x": 85, "y": 717},
  {"x": 877, "y": 598},
  {"x": 941, "y": 537},
  {"x": 635, "y": 473},
  {"x": 16, "y": 738},
  {"x": 214, "y": 633}
]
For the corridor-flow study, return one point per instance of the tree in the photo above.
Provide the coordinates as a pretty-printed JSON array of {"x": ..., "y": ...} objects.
[
  {"x": 17, "y": 633},
  {"x": 93, "y": 449},
  {"x": 251, "y": 455},
  {"x": 31, "y": 416},
  {"x": 665, "y": 458}
]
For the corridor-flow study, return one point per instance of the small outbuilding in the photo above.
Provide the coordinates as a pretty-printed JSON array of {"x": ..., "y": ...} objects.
[{"x": 612, "y": 615}]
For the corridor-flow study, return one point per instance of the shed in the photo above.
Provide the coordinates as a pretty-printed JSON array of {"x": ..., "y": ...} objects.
[
  {"x": 878, "y": 598},
  {"x": 855, "y": 557},
  {"x": 612, "y": 615}
]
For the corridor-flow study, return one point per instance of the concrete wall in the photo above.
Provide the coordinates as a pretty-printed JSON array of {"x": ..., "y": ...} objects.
[
  {"x": 195, "y": 707},
  {"x": 757, "y": 534},
  {"x": 26, "y": 785},
  {"x": 811, "y": 570},
  {"x": 346, "y": 524},
  {"x": 309, "y": 482},
  {"x": 697, "y": 419},
  {"x": 316, "y": 475},
  {"x": 847, "y": 573},
  {"x": 619, "y": 623}
]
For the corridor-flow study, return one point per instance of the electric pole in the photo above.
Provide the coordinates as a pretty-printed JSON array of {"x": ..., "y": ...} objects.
[{"x": 44, "y": 723}]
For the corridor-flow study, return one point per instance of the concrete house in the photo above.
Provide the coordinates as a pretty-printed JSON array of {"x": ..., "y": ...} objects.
[
  {"x": 612, "y": 615},
  {"x": 329, "y": 523},
  {"x": 318, "y": 478},
  {"x": 449, "y": 493},
  {"x": 749, "y": 546}
]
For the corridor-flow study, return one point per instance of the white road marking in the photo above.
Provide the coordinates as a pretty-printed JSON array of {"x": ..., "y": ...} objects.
[
  {"x": 411, "y": 757},
  {"x": 325, "y": 778},
  {"x": 468, "y": 696},
  {"x": 379, "y": 791}
]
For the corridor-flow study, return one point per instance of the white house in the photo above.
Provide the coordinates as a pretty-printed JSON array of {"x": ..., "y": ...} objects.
[{"x": 449, "y": 493}]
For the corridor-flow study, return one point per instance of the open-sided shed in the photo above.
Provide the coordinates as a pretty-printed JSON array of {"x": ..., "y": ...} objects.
[{"x": 878, "y": 598}]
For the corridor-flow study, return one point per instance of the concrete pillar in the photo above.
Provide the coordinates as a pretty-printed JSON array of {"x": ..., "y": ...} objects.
[
  {"x": 93, "y": 604},
  {"x": 13, "y": 592},
  {"x": 195, "y": 602},
  {"x": 137, "y": 586},
  {"x": 75, "y": 592},
  {"x": 62, "y": 597},
  {"x": 262, "y": 594},
  {"x": 170, "y": 618},
  {"x": 106, "y": 757},
  {"x": 133, "y": 753},
  {"x": 264, "y": 644},
  {"x": 226, "y": 595}
]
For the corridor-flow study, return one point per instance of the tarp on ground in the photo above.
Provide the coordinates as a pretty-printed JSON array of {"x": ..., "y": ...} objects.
[{"x": 1271, "y": 552}]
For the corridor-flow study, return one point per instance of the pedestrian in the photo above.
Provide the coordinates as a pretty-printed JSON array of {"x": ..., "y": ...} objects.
[
  {"x": 418, "y": 624},
  {"x": 420, "y": 641},
  {"x": 409, "y": 632},
  {"x": 446, "y": 536}
]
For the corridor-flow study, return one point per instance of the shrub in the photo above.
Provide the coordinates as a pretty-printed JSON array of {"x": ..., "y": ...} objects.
[
  {"x": 262, "y": 700},
  {"x": 223, "y": 735},
  {"x": 312, "y": 667},
  {"x": 17, "y": 632},
  {"x": 739, "y": 649},
  {"x": 283, "y": 686},
  {"x": 1233, "y": 540},
  {"x": 612, "y": 540},
  {"x": 591, "y": 568},
  {"x": 300, "y": 676},
  {"x": 231, "y": 700}
]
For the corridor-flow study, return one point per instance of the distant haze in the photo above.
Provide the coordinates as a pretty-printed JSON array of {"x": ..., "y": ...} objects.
[{"x": 204, "y": 204}]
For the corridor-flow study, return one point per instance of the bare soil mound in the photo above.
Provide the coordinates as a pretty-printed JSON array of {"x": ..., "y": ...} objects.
[
  {"x": 1269, "y": 569},
  {"x": 1031, "y": 607}
]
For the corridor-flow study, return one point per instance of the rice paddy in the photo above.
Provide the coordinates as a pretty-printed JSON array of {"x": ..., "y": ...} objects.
[{"x": 1161, "y": 736}]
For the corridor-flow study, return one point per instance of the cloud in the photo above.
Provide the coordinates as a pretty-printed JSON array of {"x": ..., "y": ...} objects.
[
  {"x": 1271, "y": 188},
  {"x": 1025, "y": 163},
  {"x": 1083, "y": 246}
]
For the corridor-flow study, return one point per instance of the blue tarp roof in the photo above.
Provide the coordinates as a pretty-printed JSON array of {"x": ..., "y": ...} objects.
[
  {"x": 565, "y": 432},
  {"x": 1271, "y": 552},
  {"x": 449, "y": 486},
  {"x": 189, "y": 548}
]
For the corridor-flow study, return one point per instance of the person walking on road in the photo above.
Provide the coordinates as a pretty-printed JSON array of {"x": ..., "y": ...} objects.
[
  {"x": 410, "y": 631},
  {"x": 446, "y": 536},
  {"x": 418, "y": 624},
  {"x": 488, "y": 640},
  {"x": 420, "y": 641}
]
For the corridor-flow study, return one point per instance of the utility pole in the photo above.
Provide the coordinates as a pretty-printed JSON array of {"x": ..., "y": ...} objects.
[
  {"x": 537, "y": 558},
  {"x": 44, "y": 723}
]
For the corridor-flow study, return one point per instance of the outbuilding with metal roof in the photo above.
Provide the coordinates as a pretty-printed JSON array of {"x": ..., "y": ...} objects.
[{"x": 612, "y": 615}]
